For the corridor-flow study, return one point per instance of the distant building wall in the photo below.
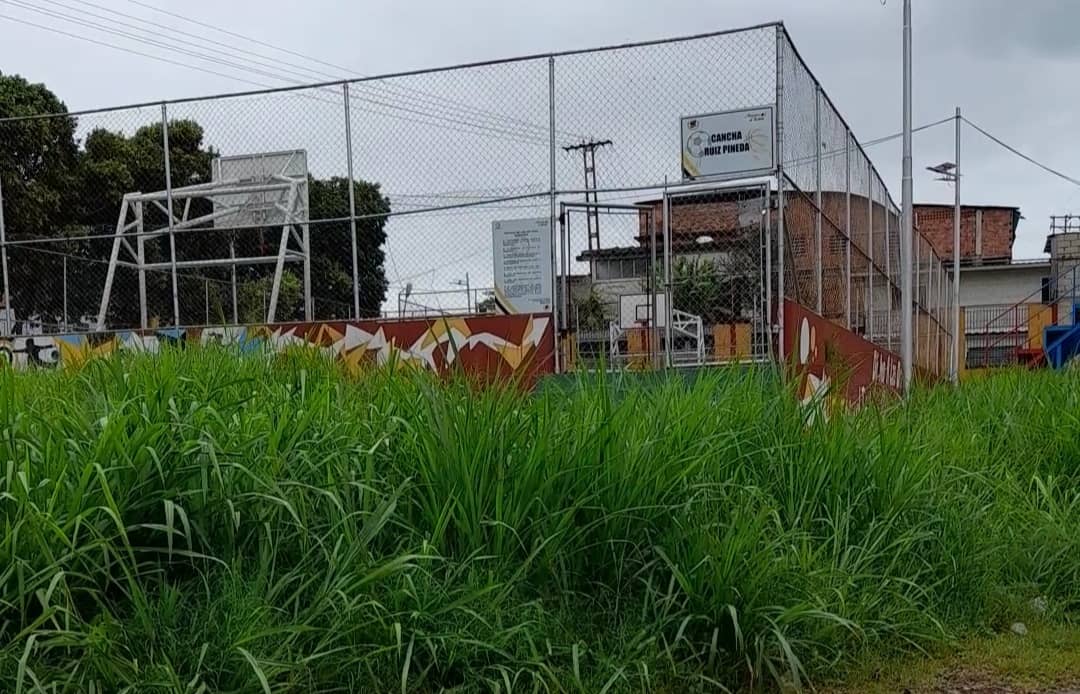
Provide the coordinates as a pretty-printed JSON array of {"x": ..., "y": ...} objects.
[
  {"x": 986, "y": 232},
  {"x": 1005, "y": 284}
]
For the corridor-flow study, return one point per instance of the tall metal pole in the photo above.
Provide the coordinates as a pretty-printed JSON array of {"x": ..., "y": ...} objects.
[
  {"x": 907, "y": 228},
  {"x": 669, "y": 295},
  {"x": 954, "y": 374},
  {"x": 780, "y": 295},
  {"x": 818, "y": 260},
  {"x": 847, "y": 229},
  {"x": 235, "y": 307},
  {"x": 551, "y": 212},
  {"x": 3, "y": 252},
  {"x": 169, "y": 210},
  {"x": 352, "y": 208}
]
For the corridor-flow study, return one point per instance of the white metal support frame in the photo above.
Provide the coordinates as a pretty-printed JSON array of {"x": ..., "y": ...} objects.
[{"x": 293, "y": 247}]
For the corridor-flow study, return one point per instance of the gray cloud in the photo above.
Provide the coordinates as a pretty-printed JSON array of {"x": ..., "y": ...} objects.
[{"x": 1008, "y": 64}]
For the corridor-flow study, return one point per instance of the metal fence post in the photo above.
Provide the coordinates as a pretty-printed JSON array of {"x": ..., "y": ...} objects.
[
  {"x": 232, "y": 281},
  {"x": 140, "y": 249},
  {"x": 870, "y": 269},
  {"x": 3, "y": 253},
  {"x": 955, "y": 347},
  {"x": 169, "y": 211},
  {"x": 551, "y": 212},
  {"x": 352, "y": 205},
  {"x": 888, "y": 275},
  {"x": 818, "y": 260},
  {"x": 779, "y": 193},
  {"x": 669, "y": 295},
  {"x": 916, "y": 298},
  {"x": 847, "y": 228}
]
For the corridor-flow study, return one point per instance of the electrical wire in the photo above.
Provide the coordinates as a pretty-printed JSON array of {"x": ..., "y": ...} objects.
[
  {"x": 133, "y": 51},
  {"x": 393, "y": 91},
  {"x": 399, "y": 91},
  {"x": 513, "y": 135},
  {"x": 1025, "y": 157}
]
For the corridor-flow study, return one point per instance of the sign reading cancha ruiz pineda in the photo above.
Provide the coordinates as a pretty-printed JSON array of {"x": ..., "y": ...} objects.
[
  {"x": 523, "y": 265},
  {"x": 732, "y": 142}
]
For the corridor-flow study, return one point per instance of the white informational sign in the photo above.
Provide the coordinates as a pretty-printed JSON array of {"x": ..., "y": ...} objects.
[
  {"x": 732, "y": 142},
  {"x": 523, "y": 265}
]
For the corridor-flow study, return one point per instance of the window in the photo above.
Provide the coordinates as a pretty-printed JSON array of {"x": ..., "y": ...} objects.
[
  {"x": 621, "y": 268},
  {"x": 1045, "y": 283}
]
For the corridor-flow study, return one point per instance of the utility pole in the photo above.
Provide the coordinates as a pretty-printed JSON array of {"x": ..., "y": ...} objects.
[
  {"x": 592, "y": 214},
  {"x": 950, "y": 173},
  {"x": 907, "y": 229}
]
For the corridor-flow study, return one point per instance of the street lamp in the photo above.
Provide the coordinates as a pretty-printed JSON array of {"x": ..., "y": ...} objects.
[
  {"x": 950, "y": 172},
  {"x": 946, "y": 171}
]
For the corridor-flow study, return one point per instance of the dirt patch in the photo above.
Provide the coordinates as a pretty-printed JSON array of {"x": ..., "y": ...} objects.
[{"x": 962, "y": 681}]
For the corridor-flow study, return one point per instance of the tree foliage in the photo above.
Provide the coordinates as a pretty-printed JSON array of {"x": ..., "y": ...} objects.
[
  {"x": 56, "y": 186},
  {"x": 706, "y": 287}
]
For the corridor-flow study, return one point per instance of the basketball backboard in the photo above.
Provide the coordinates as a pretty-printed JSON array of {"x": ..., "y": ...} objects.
[{"x": 260, "y": 208}]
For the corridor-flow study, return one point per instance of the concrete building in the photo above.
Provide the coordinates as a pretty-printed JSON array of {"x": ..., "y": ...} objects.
[{"x": 1006, "y": 302}]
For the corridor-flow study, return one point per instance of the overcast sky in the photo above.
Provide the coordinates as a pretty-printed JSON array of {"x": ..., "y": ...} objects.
[{"x": 1009, "y": 65}]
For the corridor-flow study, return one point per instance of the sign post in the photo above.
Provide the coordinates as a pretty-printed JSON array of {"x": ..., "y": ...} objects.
[
  {"x": 522, "y": 253},
  {"x": 728, "y": 143}
]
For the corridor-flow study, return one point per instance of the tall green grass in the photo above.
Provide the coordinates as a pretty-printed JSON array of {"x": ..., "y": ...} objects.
[{"x": 199, "y": 521}]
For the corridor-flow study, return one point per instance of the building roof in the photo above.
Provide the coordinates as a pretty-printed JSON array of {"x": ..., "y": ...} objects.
[
  {"x": 949, "y": 205},
  {"x": 678, "y": 245},
  {"x": 1003, "y": 264}
]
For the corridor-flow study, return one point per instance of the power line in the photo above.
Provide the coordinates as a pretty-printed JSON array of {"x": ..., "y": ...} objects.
[
  {"x": 448, "y": 124},
  {"x": 431, "y": 100},
  {"x": 133, "y": 51},
  {"x": 518, "y": 135},
  {"x": 342, "y": 72},
  {"x": 1031, "y": 160}
]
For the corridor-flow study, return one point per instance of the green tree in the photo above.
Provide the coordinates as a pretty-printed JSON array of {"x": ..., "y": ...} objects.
[
  {"x": 711, "y": 289},
  {"x": 37, "y": 160},
  {"x": 331, "y": 246},
  {"x": 37, "y": 157},
  {"x": 590, "y": 312},
  {"x": 52, "y": 188},
  {"x": 253, "y": 297}
]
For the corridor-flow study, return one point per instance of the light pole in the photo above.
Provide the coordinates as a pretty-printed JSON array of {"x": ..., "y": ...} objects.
[
  {"x": 468, "y": 292},
  {"x": 403, "y": 299},
  {"x": 907, "y": 237},
  {"x": 950, "y": 173}
]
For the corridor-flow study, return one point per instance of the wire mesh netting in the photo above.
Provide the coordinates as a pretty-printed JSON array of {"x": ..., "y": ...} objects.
[{"x": 376, "y": 198}]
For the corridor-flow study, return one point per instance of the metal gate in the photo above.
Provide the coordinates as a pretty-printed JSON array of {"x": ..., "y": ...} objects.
[{"x": 686, "y": 284}]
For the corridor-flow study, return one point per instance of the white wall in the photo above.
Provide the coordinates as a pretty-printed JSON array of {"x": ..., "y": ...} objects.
[{"x": 1008, "y": 284}]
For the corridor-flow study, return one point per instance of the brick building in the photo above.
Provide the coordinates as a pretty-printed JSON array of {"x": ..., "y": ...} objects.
[{"x": 987, "y": 232}]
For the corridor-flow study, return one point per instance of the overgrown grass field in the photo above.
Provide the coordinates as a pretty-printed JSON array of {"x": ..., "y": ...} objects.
[{"x": 200, "y": 521}]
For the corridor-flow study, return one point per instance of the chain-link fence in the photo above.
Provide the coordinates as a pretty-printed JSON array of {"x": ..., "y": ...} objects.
[
  {"x": 376, "y": 198},
  {"x": 842, "y": 229}
]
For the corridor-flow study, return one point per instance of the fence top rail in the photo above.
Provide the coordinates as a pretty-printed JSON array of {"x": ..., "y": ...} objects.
[
  {"x": 836, "y": 112},
  {"x": 403, "y": 73}
]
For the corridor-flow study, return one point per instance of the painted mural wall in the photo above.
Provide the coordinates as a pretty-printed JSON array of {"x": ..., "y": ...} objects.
[
  {"x": 830, "y": 360},
  {"x": 516, "y": 346}
]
